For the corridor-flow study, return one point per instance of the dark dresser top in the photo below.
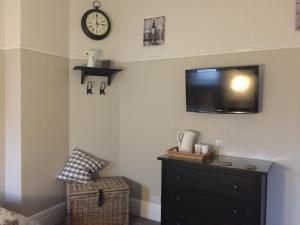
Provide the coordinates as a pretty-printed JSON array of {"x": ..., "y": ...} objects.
[{"x": 238, "y": 163}]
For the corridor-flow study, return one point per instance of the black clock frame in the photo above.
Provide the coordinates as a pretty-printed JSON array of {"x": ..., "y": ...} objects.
[{"x": 86, "y": 30}]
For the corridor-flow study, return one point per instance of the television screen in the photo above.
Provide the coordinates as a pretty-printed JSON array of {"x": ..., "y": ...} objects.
[{"x": 223, "y": 90}]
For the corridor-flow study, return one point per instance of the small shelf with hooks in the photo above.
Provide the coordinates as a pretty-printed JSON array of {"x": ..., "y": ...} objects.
[{"x": 97, "y": 71}]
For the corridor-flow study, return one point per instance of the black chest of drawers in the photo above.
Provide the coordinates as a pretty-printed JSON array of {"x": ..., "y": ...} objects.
[{"x": 199, "y": 193}]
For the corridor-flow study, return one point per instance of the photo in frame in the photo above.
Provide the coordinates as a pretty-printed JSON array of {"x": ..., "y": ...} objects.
[
  {"x": 154, "y": 31},
  {"x": 297, "y": 14}
]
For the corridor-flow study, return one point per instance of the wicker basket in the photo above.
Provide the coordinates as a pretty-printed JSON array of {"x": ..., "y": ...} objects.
[{"x": 103, "y": 202}]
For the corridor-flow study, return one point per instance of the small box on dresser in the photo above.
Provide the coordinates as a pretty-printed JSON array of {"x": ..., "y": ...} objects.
[
  {"x": 196, "y": 192},
  {"x": 103, "y": 202}
]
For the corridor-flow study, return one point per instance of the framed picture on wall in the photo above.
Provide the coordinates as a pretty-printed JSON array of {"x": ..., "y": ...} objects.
[
  {"x": 297, "y": 14},
  {"x": 154, "y": 31}
]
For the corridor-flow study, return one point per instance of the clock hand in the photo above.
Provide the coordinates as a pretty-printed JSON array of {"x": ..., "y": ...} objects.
[{"x": 97, "y": 20}]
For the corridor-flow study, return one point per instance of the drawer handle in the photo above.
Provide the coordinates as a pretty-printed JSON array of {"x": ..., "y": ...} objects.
[
  {"x": 179, "y": 177},
  {"x": 235, "y": 211},
  {"x": 235, "y": 187},
  {"x": 178, "y": 198}
]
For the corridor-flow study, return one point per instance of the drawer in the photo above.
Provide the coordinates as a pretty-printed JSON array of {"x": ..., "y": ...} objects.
[
  {"x": 218, "y": 183},
  {"x": 188, "y": 208},
  {"x": 199, "y": 221}
]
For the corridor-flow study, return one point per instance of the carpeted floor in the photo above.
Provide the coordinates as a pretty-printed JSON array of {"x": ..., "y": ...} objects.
[
  {"x": 134, "y": 220},
  {"x": 141, "y": 221}
]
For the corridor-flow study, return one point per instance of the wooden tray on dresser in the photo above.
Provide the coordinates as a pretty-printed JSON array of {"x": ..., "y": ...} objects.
[{"x": 174, "y": 152}]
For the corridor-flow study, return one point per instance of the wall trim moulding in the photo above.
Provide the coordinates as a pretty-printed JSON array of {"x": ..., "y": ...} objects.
[
  {"x": 161, "y": 57},
  {"x": 38, "y": 50},
  {"x": 53, "y": 215},
  {"x": 10, "y": 47},
  {"x": 202, "y": 53},
  {"x": 149, "y": 210},
  {"x": 44, "y": 51},
  {"x": 77, "y": 57},
  {"x": 212, "y": 52}
]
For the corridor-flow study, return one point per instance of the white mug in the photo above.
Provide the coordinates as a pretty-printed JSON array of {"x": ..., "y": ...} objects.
[
  {"x": 186, "y": 140},
  {"x": 204, "y": 149},
  {"x": 198, "y": 149}
]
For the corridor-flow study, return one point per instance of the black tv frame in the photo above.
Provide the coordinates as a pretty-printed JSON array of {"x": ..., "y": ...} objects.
[{"x": 258, "y": 90}]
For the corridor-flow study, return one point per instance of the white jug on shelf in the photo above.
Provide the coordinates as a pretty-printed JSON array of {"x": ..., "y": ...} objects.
[
  {"x": 91, "y": 57},
  {"x": 186, "y": 140}
]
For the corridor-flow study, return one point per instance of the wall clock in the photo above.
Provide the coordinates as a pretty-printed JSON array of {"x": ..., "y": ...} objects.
[{"x": 95, "y": 23}]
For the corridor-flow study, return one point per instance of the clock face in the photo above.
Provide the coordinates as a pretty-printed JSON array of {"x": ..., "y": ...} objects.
[{"x": 95, "y": 24}]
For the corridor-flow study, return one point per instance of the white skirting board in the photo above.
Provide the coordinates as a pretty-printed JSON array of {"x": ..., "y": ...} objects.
[
  {"x": 57, "y": 214},
  {"x": 145, "y": 209},
  {"x": 51, "y": 216}
]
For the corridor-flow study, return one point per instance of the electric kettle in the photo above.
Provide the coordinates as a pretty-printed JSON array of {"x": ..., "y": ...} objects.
[{"x": 186, "y": 140}]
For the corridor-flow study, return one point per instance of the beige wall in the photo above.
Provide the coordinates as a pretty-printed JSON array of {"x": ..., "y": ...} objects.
[
  {"x": 192, "y": 29},
  {"x": 1, "y": 24},
  {"x": 36, "y": 129},
  {"x": 2, "y": 62},
  {"x": 31, "y": 24},
  {"x": 152, "y": 111},
  {"x": 45, "y": 104},
  {"x": 12, "y": 129},
  {"x": 12, "y": 26},
  {"x": 36, "y": 102},
  {"x": 45, "y": 113},
  {"x": 199, "y": 27},
  {"x": 45, "y": 25},
  {"x": 94, "y": 120}
]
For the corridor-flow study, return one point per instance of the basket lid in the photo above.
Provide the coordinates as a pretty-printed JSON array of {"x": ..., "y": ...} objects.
[{"x": 104, "y": 183}]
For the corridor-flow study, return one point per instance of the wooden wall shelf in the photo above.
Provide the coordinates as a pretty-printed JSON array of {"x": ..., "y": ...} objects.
[{"x": 97, "y": 71}]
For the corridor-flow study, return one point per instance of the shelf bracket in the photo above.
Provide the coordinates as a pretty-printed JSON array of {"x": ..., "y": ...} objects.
[
  {"x": 109, "y": 78},
  {"x": 83, "y": 77}
]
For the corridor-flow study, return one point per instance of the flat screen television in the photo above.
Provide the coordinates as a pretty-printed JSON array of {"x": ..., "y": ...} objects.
[{"x": 223, "y": 90}]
